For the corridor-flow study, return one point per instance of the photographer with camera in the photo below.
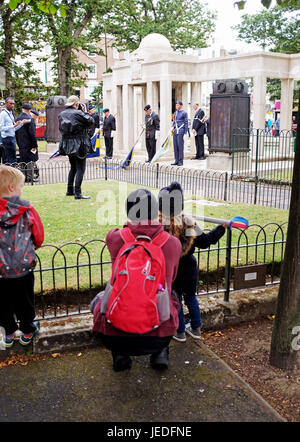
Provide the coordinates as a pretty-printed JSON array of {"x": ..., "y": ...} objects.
[{"x": 74, "y": 123}]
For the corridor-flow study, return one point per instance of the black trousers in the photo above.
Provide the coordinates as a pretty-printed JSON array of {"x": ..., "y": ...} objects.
[
  {"x": 151, "y": 147},
  {"x": 135, "y": 345},
  {"x": 199, "y": 146},
  {"x": 76, "y": 173},
  {"x": 109, "y": 142},
  {"x": 2, "y": 154},
  {"x": 17, "y": 299}
]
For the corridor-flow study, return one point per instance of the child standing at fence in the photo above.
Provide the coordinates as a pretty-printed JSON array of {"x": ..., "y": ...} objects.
[
  {"x": 21, "y": 232},
  {"x": 171, "y": 204}
]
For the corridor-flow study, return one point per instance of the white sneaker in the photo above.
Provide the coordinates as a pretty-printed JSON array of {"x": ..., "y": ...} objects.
[{"x": 179, "y": 337}]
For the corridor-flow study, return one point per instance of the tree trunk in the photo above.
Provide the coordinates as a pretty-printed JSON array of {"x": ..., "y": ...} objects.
[
  {"x": 8, "y": 49},
  {"x": 285, "y": 352},
  {"x": 64, "y": 56}
]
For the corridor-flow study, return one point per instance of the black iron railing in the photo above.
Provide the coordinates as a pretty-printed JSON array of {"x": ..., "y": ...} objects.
[{"x": 69, "y": 276}]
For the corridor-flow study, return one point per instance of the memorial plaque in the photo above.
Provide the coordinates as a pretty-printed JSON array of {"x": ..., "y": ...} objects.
[
  {"x": 54, "y": 106},
  {"x": 249, "y": 276},
  {"x": 229, "y": 109}
]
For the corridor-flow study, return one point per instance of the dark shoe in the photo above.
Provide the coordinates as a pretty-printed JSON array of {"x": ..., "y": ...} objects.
[
  {"x": 196, "y": 158},
  {"x": 174, "y": 164},
  {"x": 81, "y": 197},
  {"x": 148, "y": 161},
  {"x": 160, "y": 360},
  {"x": 70, "y": 194},
  {"x": 26, "y": 339},
  {"x": 121, "y": 363},
  {"x": 180, "y": 164}
]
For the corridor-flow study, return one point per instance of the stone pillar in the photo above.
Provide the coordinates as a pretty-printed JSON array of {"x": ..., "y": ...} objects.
[
  {"x": 117, "y": 111},
  {"x": 286, "y": 103},
  {"x": 128, "y": 116},
  {"x": 165, "y": 108},
  {"x": 259, "y": 101},
  {"x": 139, "y": 114},
  {"x": 155, "y": 98},
  {"x": 149, "y": 93}
]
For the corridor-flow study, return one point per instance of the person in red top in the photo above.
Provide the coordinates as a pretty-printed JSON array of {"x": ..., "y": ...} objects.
[
  {"x": 21, "y": 232},
  {"x": 142, "y": 211}
]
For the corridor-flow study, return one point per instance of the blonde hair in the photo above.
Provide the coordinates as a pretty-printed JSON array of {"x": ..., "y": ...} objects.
[{"x": 9, "y": 175}]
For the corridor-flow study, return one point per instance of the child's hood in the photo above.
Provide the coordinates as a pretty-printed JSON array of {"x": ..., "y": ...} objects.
[{"x": 11, "y": 210}]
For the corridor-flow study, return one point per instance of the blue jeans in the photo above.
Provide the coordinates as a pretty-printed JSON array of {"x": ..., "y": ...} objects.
[
  {"x": 194, "y": 310},
  {"x": 9, "y": 144}
]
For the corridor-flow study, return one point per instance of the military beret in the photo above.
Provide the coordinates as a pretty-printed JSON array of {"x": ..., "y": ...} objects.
[
  {"x": 106, "y": 110},
  {"x": 26, "y": 106},
  {"x": 147, "y": 107},
  {"x": 35, "y": 112},
  {"x": 179, "y": 102}
]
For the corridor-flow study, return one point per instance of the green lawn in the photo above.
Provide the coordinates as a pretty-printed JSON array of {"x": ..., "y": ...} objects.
[{"x": 80, "y": 221}]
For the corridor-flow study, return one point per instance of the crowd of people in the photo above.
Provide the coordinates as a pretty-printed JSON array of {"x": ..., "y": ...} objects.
[{"x": 153, "y": 271}]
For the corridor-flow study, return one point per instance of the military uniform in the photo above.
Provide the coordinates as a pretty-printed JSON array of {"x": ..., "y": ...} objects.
[
  {"x": 152, "y": 124},
  {"x": 109, "y": 124},
  {"x": 180, "y": 125},
  {"x": 200, "y": 129}
]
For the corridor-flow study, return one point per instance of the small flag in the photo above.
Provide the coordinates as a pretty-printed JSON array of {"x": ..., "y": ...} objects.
[
  {"x": 128, "y": 159},
  {"x": 165, "y": 147},
  {"x": 54, "y": 155},
  {"x": 239, "y": 222},
  {"x": 95, "y": 141}
]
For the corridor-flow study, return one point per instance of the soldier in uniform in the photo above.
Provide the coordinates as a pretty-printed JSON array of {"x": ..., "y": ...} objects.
[
  {"x": 109, "y": 125},
  {"x": 152, "y": 123},
  {"x": 199, "y": 129},
  {"x": 180, "y": 125}
]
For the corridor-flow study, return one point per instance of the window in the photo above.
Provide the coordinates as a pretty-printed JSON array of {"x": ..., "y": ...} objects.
[
  {"x": 88, "y": 90},
  {"x": 92, "y": 72}
]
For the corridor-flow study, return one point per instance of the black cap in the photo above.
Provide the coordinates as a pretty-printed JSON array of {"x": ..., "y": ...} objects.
[
  {"x": 170, "y": 199},
  {"x": 179, "y": 102},
  {"x": 105, "y": 110},
  {"x": 147, "y": 107},
  {"x": 141, "y": 205},
  {"x": 91, "y": 107},
  {"x": 35, "y": 112},
  {"x": 26, "y": 106}
]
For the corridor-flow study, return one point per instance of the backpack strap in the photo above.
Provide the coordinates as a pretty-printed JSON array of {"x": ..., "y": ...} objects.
[
  {"x": 126, "y": 235},
  {"x": 160, "y": 239}
]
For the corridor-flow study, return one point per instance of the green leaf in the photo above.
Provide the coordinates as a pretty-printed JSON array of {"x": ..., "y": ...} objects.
[
  {"x": 240, "y": 4},
  {"x": 53, "y": 9},
  {"x": 266, "y": 3},
  {"x": 13, "y": 4},
  {"x": 63, "y": 11}
]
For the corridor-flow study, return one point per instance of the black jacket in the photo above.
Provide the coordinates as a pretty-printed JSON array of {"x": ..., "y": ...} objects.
[
  {"x": 197, "y": 125},
  {"x": 74, "y": 125},
  {"x": 26, "y": 135},
  {"x": 188, "y": 272},
  {"x": 152, "y": 124},
  {"x": 109, "y": 124},
  {"x": 96, "y": 124}
]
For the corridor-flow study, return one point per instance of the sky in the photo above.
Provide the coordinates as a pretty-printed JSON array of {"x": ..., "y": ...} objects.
[{"x": 228, "y": 16}]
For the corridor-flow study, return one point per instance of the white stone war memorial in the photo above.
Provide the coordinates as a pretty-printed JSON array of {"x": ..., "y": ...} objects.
[{"x": 155, "y": 74}]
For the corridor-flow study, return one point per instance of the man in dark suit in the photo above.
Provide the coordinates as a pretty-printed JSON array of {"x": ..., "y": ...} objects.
[
  {"x": 92, "y": 112},
  {"x": 109, "y": 125},
  {"x": 199, "y": 130},
  {"x": 27, "y": 142},
  {"x": 152, "y": 124}
]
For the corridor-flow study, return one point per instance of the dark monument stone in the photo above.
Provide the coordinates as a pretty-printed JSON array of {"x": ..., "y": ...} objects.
[
  {"x": 54, "y": 106},
  {"x": 229, "y": 110}
]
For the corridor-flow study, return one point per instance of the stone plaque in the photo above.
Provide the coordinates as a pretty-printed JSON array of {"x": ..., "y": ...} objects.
[{"x": 249, "y": 276}]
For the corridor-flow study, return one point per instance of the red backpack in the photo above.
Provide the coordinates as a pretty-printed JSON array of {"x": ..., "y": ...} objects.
[{"x": 136, "y": 299}]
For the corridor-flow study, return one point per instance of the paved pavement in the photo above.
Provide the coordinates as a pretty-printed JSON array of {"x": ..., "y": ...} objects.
[{"x": 81, "y": 386}]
